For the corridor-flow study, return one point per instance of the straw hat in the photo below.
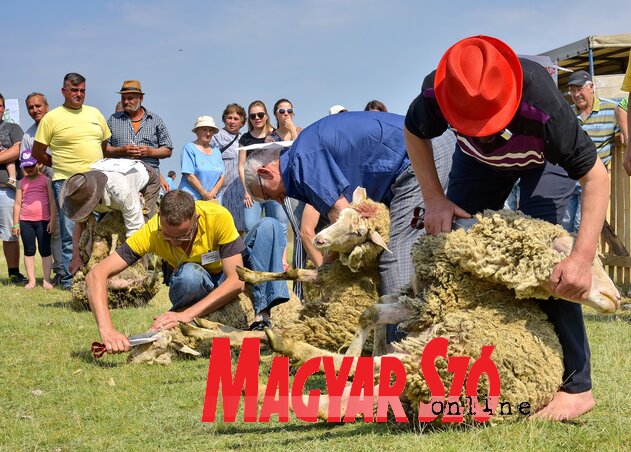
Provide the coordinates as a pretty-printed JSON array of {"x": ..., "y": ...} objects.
[{"x": 131, "y": 86}]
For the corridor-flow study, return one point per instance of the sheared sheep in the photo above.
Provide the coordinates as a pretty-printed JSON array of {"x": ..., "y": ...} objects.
[
  {"x": 468, "y": 289},
  {"x": 133, "y": 287},
  {"x": 335, "y": 294}
]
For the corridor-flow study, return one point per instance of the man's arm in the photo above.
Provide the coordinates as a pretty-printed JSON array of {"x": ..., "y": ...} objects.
[
  {"x": 157, "y": 153},
  {"x": 571, "y": 278},
  {"x": 621, "y": 119},
  {"x": 308, "y": 224},
  {"x": 39, "y": 152},
  {"x": 164, "y": 184},
  {"x": 96, "y": 283},
  {"x": 439, "y": 211},
  {"x": 75, "y": 262},
  {"x": 227, "y": 290},
  {"x": 341, "y": 204},
  {"x": 11, "y": 154},
  {"x": 125, "y": 151}
]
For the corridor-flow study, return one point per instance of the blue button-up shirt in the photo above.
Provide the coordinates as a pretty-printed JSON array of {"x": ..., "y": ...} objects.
[
  {"x": 339, "y": 153},
  {"x": 152, "y": 132}
]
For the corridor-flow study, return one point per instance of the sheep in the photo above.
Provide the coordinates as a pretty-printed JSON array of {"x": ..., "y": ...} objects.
[
  {"x": 468, "y": 288},
  {"x": 133, "y": 287},
  {"x": 335, "y": 294}
]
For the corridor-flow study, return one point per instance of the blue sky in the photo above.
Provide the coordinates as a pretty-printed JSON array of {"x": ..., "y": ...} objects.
[{"x": 194, "y": 57}]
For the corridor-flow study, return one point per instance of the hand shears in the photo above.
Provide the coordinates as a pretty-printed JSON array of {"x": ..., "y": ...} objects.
[{"x": 98, "y": 348}]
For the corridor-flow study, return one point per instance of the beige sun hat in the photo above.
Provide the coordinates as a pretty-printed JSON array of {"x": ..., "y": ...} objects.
[{"x": 205, "y": 121}]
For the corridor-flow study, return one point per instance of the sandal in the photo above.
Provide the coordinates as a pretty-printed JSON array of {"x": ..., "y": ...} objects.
[{"x": 260, "y": 325}]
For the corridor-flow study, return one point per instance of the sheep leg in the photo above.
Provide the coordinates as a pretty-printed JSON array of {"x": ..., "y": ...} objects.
[
  {"x": 295, "y": 274},
  {"x": 114, "y": 243},
  {"x": 387, "y": 312},
  {"x": 206, "y": 330},
  {"x": 120, "y": 284},
  {"x": 300, "y": 352}
]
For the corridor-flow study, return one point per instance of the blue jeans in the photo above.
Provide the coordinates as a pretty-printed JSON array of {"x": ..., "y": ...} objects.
[
  {"x": 252, "y": 215},
  {"x": 66, "y": 227},
  {"x": 264, "y": 246},
  {"x": 572, "y": 218},
  {"x": 512, "y": 202}
]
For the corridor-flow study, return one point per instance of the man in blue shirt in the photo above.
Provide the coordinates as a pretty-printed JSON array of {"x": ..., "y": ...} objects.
[{"x": 339, "y": 153}]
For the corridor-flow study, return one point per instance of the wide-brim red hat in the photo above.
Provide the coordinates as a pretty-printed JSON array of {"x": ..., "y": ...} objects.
[{"x": 478, "y": 85}]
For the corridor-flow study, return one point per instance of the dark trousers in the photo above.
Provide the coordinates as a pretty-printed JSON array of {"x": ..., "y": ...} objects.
[
  {"x": 544, "y": 193},
  {"x": 32, "y": 231}
]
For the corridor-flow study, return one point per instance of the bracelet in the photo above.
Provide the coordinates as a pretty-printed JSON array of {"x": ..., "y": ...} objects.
[{"x": 17, "y": 226}]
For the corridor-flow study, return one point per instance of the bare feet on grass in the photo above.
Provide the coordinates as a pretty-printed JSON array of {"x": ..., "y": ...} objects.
[
  {"x": 47, "y": 285},
  {"x": 30, "y": 285},
  {"x": 565, "y": 406}
]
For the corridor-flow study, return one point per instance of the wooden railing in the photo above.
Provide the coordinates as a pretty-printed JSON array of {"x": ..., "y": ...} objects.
[{"x": 615, "y": 242}]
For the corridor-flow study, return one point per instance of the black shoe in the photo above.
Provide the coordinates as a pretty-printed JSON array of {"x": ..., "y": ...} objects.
[
  {"x": 17, "y": 278},
  {"x": 260, "y": 325},
  {"x": 56, "y": 281}
]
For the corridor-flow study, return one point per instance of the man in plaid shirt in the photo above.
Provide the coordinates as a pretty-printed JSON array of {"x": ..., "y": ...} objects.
[{"x": 137, "y": 133}]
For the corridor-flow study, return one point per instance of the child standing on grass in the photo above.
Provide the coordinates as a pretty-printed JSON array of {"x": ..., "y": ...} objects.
[{"x": 34, "y": 217}]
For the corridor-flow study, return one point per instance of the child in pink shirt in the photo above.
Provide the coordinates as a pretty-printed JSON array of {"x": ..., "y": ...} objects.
[{"x": 34, "y": 216}]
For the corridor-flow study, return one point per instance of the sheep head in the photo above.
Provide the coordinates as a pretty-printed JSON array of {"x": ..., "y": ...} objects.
[
  {"x": 603, "y": 295},
  {"x": 353, "y": 227}
]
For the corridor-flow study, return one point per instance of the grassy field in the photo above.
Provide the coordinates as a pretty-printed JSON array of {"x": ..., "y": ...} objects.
[{"x": 55, "y": 396}]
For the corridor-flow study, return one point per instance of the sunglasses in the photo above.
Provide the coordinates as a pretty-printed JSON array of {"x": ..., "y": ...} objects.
[
  {"x": 282, "y": 111},
  {"x": 183, "y": 238},
  {"x": 259, "y": 115}
]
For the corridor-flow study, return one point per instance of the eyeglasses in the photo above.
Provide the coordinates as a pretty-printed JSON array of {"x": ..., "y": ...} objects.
[
  {"x": 260, "y": 115},
  {"x": 263, "y": 194},
  {"x": 577, "y": 89},
  {"x": 182, "y": 238},
  {"x": 282, "y": 111}
]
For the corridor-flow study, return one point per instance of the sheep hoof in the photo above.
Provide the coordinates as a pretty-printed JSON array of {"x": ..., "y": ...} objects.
[{"x": 275, "y": 341}]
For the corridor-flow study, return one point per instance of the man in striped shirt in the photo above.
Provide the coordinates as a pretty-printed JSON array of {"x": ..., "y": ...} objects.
[{"x": 597, "y": 117}]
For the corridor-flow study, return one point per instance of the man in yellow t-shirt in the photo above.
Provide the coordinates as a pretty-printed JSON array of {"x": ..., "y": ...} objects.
[
  {"x": 76, "y": 135},
  {"x": 200, "y": 241}
]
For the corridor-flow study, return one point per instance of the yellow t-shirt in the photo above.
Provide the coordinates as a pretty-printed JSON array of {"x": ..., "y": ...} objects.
[
  {"x": 74, "y": 138},
  {"x": 626, "y": 84},
  {"x": 215, "y": 227}
]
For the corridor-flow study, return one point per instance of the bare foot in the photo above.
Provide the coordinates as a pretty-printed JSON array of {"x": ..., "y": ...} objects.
[
  {"x": 47, "y": 285},
  {"x": 565, "y": 406},
  {"x": 30, "y": 285}
]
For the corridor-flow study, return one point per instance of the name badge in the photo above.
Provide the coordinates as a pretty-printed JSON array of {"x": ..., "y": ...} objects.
[{"x": 210, "y": 257}]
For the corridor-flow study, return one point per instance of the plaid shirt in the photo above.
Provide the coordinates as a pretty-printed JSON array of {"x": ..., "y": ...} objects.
[{"x": 152, "y": 132}]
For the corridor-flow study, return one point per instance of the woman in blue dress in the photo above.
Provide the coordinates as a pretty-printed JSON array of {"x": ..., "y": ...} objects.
[{"x": 202, "y": 166}]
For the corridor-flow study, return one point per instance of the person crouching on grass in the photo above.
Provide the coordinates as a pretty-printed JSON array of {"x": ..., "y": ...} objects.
[
  {"x": 34, "y": 217},
  {"x": 199, "y": 241}
]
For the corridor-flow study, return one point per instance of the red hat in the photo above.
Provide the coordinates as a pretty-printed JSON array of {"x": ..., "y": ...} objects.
[{"x": 478, "y": 85}]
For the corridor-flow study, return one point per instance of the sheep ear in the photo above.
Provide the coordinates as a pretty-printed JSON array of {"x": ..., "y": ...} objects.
[
  {"x": 378, "y": 240},
  {"x": 359, "y": 195}
]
